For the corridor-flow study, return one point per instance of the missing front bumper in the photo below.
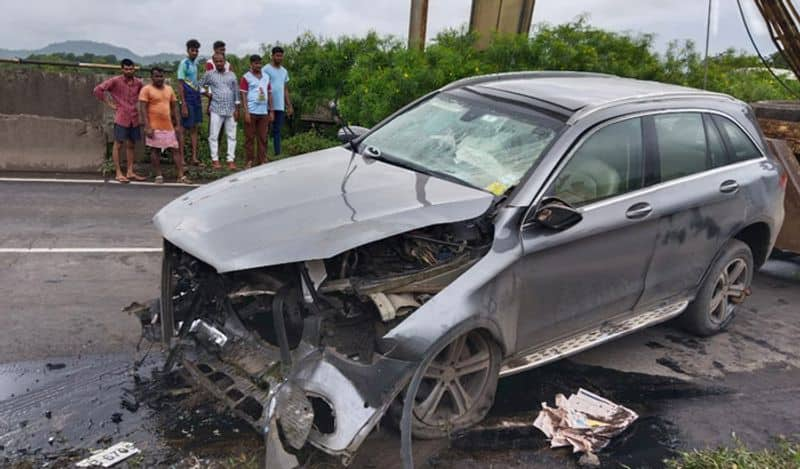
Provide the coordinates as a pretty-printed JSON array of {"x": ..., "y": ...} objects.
[{"x": 324, "y": 398}]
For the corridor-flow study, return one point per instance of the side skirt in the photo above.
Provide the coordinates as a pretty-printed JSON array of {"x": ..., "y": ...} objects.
[{"x": 607, "y": 331}]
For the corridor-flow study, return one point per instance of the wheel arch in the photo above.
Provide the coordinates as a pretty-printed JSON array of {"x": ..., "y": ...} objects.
[{"x": 757, "y": 237}]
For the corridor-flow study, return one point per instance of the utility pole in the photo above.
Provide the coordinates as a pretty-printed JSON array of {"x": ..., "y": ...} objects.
[{"x": 417, "y": 24}]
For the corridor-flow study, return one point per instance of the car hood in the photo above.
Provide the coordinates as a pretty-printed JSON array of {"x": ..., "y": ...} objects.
[{"x": 310, "y": 207}]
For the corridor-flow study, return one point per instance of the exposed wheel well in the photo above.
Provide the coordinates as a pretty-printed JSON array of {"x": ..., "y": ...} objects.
[{"x": 757, "y": 237}]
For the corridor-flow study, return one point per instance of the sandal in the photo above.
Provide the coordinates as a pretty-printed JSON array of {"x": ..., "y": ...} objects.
[
  {"x": 159, "y": 180},
  {"x": 136, "y": 177},
  {"x": 184, "y": 180},
  {"x": 122, "y": 180}
]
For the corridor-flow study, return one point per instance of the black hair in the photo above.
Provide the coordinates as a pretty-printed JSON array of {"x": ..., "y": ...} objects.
[
  {"x": 218, "y": 44},
  {"x": 156, "y": 69},
  {"x": 192, "y": 44},
  {"x": 255, "y": 58},
  {"x": 277, "y": 49},
  {"x": 126, "y": 63}
]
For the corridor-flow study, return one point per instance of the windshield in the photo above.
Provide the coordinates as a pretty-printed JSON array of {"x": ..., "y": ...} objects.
[{"x": 483, "y": 143}]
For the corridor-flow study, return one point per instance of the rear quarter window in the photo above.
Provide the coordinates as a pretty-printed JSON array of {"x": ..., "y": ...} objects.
[{"x": 740, "y": 146}]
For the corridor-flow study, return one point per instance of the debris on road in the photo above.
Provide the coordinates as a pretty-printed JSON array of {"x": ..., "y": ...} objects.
[
  {"x": 585, "y": 421},
  {"x": 110, "y": 456},
  {"x": 55, "y": 366}
]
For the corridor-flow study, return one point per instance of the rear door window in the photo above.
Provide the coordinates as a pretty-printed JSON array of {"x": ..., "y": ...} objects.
[
  {"x": 682, "y": 144},
  {"x": 739, "y": 144}
]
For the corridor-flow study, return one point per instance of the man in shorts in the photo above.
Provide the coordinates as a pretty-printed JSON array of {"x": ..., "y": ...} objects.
[
  {"x": 191, "y": 107},
  {"x": 159, "y": 106},
  {"x": 120, "y": 93}
]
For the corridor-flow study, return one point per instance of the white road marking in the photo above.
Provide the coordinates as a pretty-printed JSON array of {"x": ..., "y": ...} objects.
[
  {"x": 76, "y": 250},
  {"x": 97, "y": 181}
]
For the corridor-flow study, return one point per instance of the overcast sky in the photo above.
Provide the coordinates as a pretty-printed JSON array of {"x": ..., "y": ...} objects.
[{"x": 152, "y": 26}]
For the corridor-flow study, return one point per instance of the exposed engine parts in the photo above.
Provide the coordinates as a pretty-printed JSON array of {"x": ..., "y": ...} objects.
[{"x": 285, "y": 346}]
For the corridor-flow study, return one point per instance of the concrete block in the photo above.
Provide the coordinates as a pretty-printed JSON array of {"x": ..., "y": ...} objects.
[{"x": 39, "y": 143}]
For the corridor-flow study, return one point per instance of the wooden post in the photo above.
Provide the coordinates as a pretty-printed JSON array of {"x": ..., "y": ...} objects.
[{"x": 417, "y": 24}]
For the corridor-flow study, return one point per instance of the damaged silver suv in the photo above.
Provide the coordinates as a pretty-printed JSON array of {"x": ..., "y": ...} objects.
[{"x": 494, "y": 225}]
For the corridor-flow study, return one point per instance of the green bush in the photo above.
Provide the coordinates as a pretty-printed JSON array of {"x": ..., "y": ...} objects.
[
  {"x": 306, "y": 142},
  {"x": 374, "y": 76}
]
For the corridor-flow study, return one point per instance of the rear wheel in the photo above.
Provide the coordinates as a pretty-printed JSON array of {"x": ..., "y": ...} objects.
[
  {"x": 725, "y": 287},
  {"x": 458, "y": 387}
]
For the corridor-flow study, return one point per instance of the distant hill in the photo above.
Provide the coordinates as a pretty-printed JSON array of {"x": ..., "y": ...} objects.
[{"x": 91, "y": 47}]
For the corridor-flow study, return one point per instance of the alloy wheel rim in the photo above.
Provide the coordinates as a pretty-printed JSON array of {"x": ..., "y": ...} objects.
[
  {"x": 454, "y": 380},
  {"x": 729, "y": 290}
]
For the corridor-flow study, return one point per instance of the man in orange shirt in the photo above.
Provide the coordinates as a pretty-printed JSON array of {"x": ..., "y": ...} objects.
[{"x": 159, "y": 106}]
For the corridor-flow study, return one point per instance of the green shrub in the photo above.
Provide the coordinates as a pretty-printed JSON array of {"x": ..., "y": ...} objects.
[
  {"x": 306, "y": 142},
  {"x": 374, "y": 76}
]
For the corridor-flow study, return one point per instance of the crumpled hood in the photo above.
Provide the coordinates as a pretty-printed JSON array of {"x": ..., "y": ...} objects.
[{"x": 310, "y": 207}]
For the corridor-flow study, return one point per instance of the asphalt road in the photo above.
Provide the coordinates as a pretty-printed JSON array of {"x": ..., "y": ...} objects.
[{"x": 67, "y": 306}]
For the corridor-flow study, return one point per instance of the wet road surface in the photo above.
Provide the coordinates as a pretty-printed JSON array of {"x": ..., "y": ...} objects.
[{"x": 68, "y": 382}]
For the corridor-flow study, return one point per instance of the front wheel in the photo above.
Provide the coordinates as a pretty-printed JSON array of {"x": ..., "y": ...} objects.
[
  {"x": 725, "y": 287},
  {"x": 457, "y": 388}
]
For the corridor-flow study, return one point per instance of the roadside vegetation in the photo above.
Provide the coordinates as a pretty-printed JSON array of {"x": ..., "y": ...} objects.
[{"x": 785, "y": 455}]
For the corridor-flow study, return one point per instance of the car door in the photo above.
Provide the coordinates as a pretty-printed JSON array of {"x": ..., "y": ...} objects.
[
  {"x": 697, "y": 200},
  {"x": 581, "y": 276}
]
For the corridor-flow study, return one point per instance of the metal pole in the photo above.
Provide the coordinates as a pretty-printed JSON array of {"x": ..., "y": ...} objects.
[
  {"x": 70, "y": 64},
  {"x": 417, "y": 24},
  {"x": 708, "y": 36}
]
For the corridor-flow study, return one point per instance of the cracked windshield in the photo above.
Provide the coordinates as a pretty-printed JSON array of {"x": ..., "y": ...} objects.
[{"x": 490, "y": 147}]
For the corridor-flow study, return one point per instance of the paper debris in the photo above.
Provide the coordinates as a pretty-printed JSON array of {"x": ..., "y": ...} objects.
[
  {"x": 110, "y": 456},
  {"x": 585, "y": 421}
]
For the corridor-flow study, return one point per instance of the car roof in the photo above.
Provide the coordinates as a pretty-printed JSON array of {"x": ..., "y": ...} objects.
[{"x": 579, "y": 92}]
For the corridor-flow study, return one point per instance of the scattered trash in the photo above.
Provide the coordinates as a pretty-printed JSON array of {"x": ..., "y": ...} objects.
[
  {"x": 110, "y": 456},
  {"x": 55, "y": 366},
  {"x": 51, "y": 440},
  {"x": 585, "y": 421}
]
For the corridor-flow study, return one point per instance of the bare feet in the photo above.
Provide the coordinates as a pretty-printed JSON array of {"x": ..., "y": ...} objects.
[
  {"x": 136, "y": 177},
  {"x": 122, "y": 179}
]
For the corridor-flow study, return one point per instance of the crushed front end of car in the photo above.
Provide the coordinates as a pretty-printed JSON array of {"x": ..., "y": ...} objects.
[{"x": 296, "y": 349}]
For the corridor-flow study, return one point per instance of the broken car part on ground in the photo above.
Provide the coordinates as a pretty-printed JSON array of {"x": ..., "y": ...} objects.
[{"x": 453, "y": 244}]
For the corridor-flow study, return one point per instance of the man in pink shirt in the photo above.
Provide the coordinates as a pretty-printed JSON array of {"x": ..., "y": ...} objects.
[{"x": 121, "y": 93}]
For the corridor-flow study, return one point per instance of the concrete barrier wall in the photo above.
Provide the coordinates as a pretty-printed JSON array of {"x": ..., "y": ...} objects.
[
  {"x": 42, "y": 143},
  {"x": 50, "y": 121},
  {"x": 55, "y": 94}
]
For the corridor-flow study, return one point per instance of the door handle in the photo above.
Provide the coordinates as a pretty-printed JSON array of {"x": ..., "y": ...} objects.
[
  {"x": 640, "y": 210},
  {"x": 729, "y": 187}
]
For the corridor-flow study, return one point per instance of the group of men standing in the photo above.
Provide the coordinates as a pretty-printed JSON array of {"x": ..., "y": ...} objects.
[{"x": 261, "y": 93}]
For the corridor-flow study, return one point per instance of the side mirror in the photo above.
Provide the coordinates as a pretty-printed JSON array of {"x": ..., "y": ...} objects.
[
  {"x": 350, "y": 133},
  {"x": 555, "y": 214}
]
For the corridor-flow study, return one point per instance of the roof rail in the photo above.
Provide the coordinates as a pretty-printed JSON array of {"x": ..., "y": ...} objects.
[
  {"x": 521, "y": 75},
  {"x": 642, "y": 98}
]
